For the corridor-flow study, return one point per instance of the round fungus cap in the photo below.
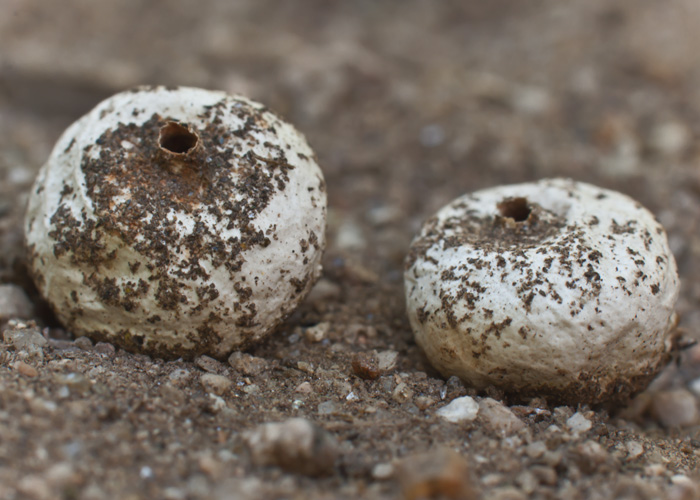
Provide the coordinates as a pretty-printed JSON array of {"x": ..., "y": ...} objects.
[
  {"x": 177, "y": 222},
  {"x": 554, "y": 288}
]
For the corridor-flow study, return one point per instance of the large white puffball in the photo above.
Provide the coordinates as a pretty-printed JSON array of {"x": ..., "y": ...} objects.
[
  {"x": 177, "y": 222},
  {"x": 554, "y": 288}
]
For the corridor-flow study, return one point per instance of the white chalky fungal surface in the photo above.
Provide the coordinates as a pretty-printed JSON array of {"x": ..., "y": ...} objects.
[
  {"x": 176, "y": 222},
  {"x": 555, "y": 288}
]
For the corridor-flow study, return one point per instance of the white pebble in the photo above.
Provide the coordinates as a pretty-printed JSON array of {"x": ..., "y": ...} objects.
[
  {"x": 577, "y": 423},
  {"x": 463, "y": 409},
  {"x": 382, "y": 471}
]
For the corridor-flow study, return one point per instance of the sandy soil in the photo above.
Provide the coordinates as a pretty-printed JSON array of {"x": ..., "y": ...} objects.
[{"x": 408, "y": 105}]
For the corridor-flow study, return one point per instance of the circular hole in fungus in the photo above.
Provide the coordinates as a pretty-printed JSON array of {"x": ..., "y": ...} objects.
[
  {"x": 177, "y": 138},
  {"x": 515, "y": 208}
]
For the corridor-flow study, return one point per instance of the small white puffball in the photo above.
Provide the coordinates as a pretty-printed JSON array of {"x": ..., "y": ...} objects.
[
  {"x": 554, "y": 288},
  {"x": 177, "y": 222}
]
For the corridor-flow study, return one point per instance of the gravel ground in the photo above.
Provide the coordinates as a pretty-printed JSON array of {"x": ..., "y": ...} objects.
[{"x": 408, "y": 105}]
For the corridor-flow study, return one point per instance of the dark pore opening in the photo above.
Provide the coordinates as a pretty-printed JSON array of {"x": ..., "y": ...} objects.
[
  {"x": 177, "y": 138},
  {"x": 515, "y": 208}
]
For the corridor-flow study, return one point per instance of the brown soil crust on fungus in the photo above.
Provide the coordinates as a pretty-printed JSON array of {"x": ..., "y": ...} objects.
[{"x": 407, "y": 105}]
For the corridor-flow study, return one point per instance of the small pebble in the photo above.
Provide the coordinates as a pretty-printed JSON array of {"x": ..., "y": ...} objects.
[
  {"x": 14, "y": 303},
  {"x": 306, "y": 367},
  {"x": 210, "y": 466},
  {"x": 84, "y": 343},
  {"x": 382, "y": 472},
  {"x": 675, "y": 408},
  {"x": 105, "y": 348},
  {"x": 365, "y": 365},
  {"x": 198, "y": 486},
  {"x": 208, "y": 364},
  {"x": 74, "y": 382},
  {"x": 216, "y": 384},
  {"x": 590, "y": 457},
  {"x": 248, "y": 488},
  {"x": 425, "y": 402},
  {"x": 634, "y": 449},
  {"x": 506, "y": 493},
  {"x": 670, "y": 138},
  {"x": 304, "y": 388},
  {"x": 386, "y": 360},
  {"x": 179, "y": 377},
  {"x": 35, "y": 487},
  {"x": 694, "y": 386},
  {"x": 527, "y": 482},
  {"x": 463, "y": 409},
  {"x": 324, "y": 291},
  {"x": 491, "y": 480},
  {"x": 432, "y": 135},
  {"x": 146, "y": 472},
  {"x": 317, "y": 332},
  {"x": 215, "y": 403},
  {"x": 296, "y": 445},
  {"x": 402, "y": 393},
  {"x": 655, "y": 470},
  {"x": 25, "y": 337},
  {"x": 355, "y": 272},
  {"x": 349, "y": 236},
  {"x": 62, "y": 475},
  {"x": 439, "y": 473},
  {"x": 545, "y": 475},
  {"x": 172, "y": 394},
  {"x": 536, "y": 449},
  {"x": 25, "y": 369},
  {"x": 578, "y": 423},
  {"x": 172, "y": 493},
  {"x": 246, "y": 364},
  {"x": 453, "y": 388},
  {"x": 498, "y": 417},
  {"x": 531, "y": 100},
  {"x": 93, "y": 492},
  {"x": 683, "y": 488},
  {"x": 327, "y": 408},
  {"x": 384, "y": 215},
  {"x": 251, "y": 389}
]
